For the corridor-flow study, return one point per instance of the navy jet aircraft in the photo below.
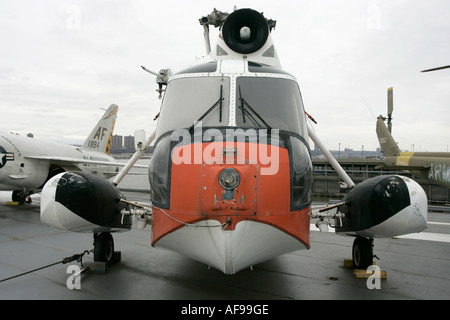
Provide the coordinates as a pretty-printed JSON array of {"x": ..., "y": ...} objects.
[{"x": 26, "y": 164}]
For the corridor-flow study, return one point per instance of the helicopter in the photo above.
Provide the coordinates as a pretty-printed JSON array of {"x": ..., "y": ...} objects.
[
  {"x": 432, "y": 166},
  {"x": 231, "y": 172}
]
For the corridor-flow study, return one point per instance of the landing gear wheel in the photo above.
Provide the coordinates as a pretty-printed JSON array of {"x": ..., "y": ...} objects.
[
  {"x": 103, "y": 247},
  {"x": 362, "y": 253},
  {"x": 19, "y": 196}
]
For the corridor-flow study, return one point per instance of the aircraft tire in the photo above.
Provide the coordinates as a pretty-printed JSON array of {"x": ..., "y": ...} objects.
[
  {"x": 362, "y": 253},
  {"x": 18, "y": 196},
  {"x": 103, "y": 247}
]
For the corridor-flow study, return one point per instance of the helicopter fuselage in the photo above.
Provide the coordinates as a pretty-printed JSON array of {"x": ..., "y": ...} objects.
[{"x": 231, "y": 167}]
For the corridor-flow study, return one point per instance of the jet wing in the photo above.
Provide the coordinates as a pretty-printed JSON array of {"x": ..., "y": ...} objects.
[{"x": 72, "y": 161}]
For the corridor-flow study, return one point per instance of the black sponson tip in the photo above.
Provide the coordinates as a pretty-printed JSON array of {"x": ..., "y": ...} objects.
[{"x": 92, "y": 198}]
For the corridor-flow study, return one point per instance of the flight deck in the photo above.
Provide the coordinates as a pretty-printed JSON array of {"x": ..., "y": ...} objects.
[{"x": 416, "y": 266}]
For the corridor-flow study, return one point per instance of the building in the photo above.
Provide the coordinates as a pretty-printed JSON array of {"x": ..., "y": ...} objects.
[
  {"x": 116, "y": 142},
  {"x": 129, "y": 143},
  {"x": 327, "y": 183}
]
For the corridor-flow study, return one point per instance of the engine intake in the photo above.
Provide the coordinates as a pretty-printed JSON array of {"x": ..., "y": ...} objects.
[{"x": 245, "y": 31}]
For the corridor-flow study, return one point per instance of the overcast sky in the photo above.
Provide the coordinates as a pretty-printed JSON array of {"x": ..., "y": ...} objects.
[{"x": 60, "y": 61}]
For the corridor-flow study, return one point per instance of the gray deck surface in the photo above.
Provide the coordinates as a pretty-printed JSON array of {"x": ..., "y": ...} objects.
[{"x": 416, "y": 268}]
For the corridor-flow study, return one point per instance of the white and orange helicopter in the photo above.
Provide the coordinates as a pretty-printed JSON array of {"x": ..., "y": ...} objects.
[{"x": 231, "y": 172}]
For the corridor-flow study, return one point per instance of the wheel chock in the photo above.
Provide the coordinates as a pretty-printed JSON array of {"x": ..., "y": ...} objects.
[
  {"x": 348, "y": 263},
  {"x": 12, "y": 203},
  {"x": 363, "y": 274},
  {"x": 98, "y": 267}
]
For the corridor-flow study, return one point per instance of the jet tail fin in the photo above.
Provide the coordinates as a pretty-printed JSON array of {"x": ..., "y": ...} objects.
[
  {"x": 387, "y": 143},
  {"x": 100, "y": 137}
]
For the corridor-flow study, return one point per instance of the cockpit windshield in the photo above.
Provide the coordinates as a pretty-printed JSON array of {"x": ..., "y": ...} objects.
[
  {"x": 260, "y": 102},
  {"x": 191, "y": 99},
  {"x": 274, "y": 102}
]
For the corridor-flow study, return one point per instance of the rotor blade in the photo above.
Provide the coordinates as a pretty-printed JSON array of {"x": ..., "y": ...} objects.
[
  {"x": 434, "y": 69},
  {"x": 390, "y": 101}
]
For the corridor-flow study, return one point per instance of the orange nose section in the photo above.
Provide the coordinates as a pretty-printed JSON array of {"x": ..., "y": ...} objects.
[
  {"x": 228, "y": 186},
  {"x": 229, "y": 201}
]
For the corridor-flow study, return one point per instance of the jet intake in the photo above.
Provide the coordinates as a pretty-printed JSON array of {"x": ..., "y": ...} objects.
[
  {"x": 245, "y": 31},
  {"x": 83, "y": 202},
  {"x": 384, "y": 206}
]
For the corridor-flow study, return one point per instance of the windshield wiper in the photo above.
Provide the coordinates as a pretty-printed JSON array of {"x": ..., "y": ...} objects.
[
  {"x": 217, "y": 103},
  {"x": 244, "y": 111}
]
